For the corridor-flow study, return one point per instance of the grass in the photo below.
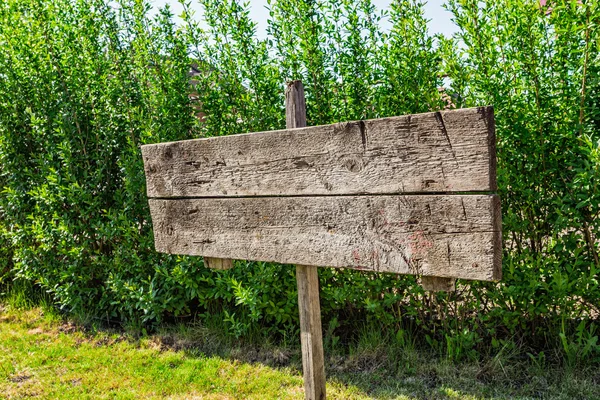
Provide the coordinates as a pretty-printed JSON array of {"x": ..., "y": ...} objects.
[
  {"x": 45, "y": 356},
  {"x": 41, "y": 356}
]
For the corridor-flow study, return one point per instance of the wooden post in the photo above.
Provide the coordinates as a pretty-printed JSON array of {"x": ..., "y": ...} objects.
[
  {"x": 313, "y": 363},
  {"x": 437, "y": 284},
  {"x": 218, "y": 263}
]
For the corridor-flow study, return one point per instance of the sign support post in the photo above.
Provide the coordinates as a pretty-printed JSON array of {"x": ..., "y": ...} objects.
[{"x": 313, "y": 363}]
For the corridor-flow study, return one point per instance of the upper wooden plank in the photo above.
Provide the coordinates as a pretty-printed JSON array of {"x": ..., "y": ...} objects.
[{"x": 447, "y": 151}]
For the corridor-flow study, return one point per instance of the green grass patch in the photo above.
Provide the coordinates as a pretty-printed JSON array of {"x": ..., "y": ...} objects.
[{"x": 43, "y": 355}]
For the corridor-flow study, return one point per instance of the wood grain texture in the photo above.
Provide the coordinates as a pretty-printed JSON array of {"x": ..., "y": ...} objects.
[
  {"x": 433, "y": 235},
  {"x": 444, "y": 151},
  {"x": 218, "y": 263},
  {"x": 313, "y": 361},
  {"x": 437, "y": 284},
  {"x": 295, "y": 105}
]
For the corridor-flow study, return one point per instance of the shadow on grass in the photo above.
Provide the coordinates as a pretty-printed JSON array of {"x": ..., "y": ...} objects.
[
  {"x": 372, "y": 367},
  {"x": 383, "y": 371}
]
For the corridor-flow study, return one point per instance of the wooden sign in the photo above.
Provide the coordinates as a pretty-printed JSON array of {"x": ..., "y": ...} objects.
[
  {"x": 385, "y": 195},
  {"x": 407, "y": 195}
]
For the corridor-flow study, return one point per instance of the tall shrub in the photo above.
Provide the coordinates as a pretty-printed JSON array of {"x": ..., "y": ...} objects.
[
  {"x": 537, "y": 64},
  {"x": 83, "y": 83}
]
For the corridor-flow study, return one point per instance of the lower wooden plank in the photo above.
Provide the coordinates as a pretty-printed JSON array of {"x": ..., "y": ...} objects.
[{"x": 432, "y": 235}]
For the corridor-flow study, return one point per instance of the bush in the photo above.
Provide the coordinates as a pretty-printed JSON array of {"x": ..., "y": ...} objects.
[{"x": 84, "y": 84}]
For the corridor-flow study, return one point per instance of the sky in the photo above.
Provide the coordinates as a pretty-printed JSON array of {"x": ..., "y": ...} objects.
[{"x": 439, "y": 18}]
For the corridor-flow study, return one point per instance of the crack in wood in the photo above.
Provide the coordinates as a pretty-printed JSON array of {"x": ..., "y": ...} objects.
[
  {"x": 442, "y": 125},
  {"x": 363, "y": 133}
]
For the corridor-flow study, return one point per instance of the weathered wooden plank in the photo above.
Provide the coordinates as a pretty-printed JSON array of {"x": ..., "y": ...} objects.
[
  {"x": 432, "y": 235},
  {"x": 444, "y": 151}
]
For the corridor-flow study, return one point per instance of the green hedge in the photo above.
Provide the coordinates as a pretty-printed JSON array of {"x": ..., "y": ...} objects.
[{"x": 84, "y": 83}]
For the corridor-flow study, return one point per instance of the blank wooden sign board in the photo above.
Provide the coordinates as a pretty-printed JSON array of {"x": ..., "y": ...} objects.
[{"x": 406, "y": 195}]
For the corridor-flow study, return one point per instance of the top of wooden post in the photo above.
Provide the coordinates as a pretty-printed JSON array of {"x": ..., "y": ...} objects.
[{"x": 295, "y": 111}]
